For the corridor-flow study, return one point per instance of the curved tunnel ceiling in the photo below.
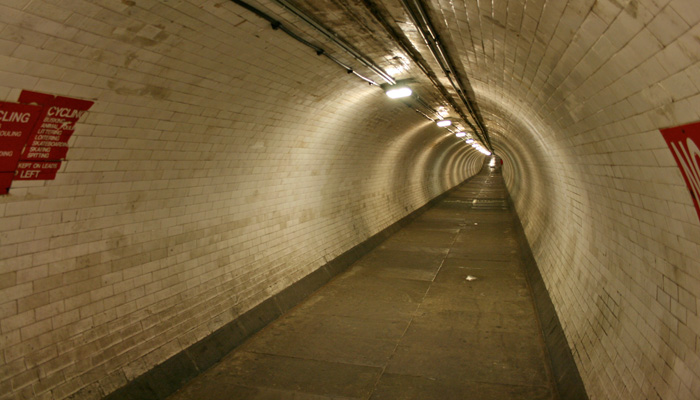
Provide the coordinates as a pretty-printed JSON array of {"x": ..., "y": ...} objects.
[
  {"x": 572, "y": 94},
  {"x": 223, "y": 161}
]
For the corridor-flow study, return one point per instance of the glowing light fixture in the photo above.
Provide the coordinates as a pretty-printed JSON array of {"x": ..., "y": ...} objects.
[
  {"x": 397, "y": 91},
  {"x": 444, "y": 123},
  {"x": 477, "y": 146},
  {"x": 402, "y": 88},
  {"x": 470, "y": 140},
  {"x": 461, "y": 134}
]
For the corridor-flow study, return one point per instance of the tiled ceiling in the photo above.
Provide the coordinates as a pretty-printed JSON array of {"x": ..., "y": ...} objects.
[
  {"x": 384, "y": 31},
  {"x": 504, "y": 52},
  {"x": 547, "y": 63}
]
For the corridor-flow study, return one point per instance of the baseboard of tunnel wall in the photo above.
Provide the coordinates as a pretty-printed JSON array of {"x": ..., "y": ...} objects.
[
  {"x": 166, "y": 378},
  {"x": 567, "y": 379}
]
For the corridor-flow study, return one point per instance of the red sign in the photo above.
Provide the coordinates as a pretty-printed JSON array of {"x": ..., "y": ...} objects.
[
  {"x": 49, "y": 139},
  {"x": 16, "y": 122},
  {"x": 683, "y": 142},
  {"x": 42, "y": 130},
  {"x": 5, "y": 181},
  {"x": 36, "y": 171},
  {"x": 47, "y": 145}
]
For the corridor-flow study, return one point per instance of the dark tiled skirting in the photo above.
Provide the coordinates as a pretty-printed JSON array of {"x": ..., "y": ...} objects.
[
  {"x": 167, "y": 377},
  {"x": 567, "y": 378}
]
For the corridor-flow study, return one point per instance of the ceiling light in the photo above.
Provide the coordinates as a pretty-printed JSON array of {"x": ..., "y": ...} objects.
[
  {"x": 461, "y": 134},
  {"x": 400, "y": 89},
  {"x": 397, "y": 92},
  {"x": 444, "y": 123},
  {"x": 470, "y": 140}
]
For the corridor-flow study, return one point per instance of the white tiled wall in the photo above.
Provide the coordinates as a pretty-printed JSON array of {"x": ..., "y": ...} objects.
[
  {"x": 221, "y": 162},
  {"x": 579, "y": 90}
]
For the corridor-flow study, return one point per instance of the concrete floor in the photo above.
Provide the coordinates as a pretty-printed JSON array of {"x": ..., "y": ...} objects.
[{"x": 404, "y": 322}]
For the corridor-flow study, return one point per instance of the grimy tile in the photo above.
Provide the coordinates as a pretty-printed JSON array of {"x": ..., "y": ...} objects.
[{"x": 405, "y": 322}]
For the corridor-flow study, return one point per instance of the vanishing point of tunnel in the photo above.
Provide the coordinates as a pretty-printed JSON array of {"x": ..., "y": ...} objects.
[{"x": 349, "y": 199}]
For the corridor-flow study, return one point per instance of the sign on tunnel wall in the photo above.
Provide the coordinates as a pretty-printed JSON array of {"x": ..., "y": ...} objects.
[
  {"x": 16, "y": 123},
  {"x": 34, "y": 135},
  {"x": 683, "y": 142}
]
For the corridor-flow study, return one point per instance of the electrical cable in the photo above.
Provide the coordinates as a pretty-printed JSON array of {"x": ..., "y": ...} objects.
[
  {"x": 277, "y": 25},
  {"x": 417, "y": 12},
  {"x": 335, "y": 39},
  {"x": 419, "y": 61}
]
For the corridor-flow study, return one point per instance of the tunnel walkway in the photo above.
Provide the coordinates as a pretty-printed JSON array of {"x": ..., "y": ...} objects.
[{"x": 441, "y": 310}]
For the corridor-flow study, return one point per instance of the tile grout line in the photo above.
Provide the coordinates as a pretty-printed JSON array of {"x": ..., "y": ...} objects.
[{"x": 398, "y": 342}]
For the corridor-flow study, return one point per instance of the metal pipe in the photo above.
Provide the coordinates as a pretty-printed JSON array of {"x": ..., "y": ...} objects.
[
  {"x": 425, "y": 27},
  {"x": 277, "y": 25},
  {"x": 335, "y": 39},
  {"x": 412, "y": 53}
]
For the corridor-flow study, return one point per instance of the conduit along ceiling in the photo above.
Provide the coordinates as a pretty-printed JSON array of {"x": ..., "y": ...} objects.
[
  {"x": 571, "y": 94},
  {"x": 386, "y": 43}
]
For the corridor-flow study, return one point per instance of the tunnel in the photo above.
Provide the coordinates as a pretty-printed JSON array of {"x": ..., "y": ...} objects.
[{"x": 177, "y": 176}]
